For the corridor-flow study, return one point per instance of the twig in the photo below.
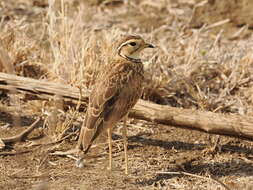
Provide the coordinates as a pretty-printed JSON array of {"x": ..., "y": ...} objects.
[
  {"x": 184, "y": 173},
  {"x": 220, "y": 182},
  {"x": 21, "y": 136},
  {"x": 14, "y": 153},
  {"x": 18, "y": 171},
  {"x": 217, "y": 39},
  {"x": 60, "y": 140},
  {"x": 197, "y": 176},
  {"x": 216, "y": 24},
  {"x": 27, "y": 176},
  {"x": 52, "y": 143},
  {"x": 201, "y": 4},
  {"x": 239, "y": 32},
  {"x": 62, "y": 153},
  {"x": 42, "y": 162},
  {"x": 72, "y": 157}
]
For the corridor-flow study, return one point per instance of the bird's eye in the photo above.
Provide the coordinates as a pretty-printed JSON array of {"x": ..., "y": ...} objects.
[{"x": 132, "y": 43}]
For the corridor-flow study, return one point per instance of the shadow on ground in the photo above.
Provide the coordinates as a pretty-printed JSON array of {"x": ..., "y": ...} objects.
[
  {"x": 237, "y": 168},
  {"x": 179, "y": 145},
  {"x": 195, "y": 165}
]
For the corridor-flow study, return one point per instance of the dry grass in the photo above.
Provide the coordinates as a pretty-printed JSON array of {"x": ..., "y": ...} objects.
[
  {"x": 190, "y": 68},
  {"x": 69, "y": 41}
]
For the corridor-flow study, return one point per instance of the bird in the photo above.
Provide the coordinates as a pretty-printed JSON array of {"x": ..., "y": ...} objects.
[{"x": 116, "y": 90}]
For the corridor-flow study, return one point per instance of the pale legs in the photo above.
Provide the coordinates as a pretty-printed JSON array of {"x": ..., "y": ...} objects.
[
  {"x": 110, "y": 147},
  {"x": 124, "y": 134},
  {"x": 125, "y": 144}
]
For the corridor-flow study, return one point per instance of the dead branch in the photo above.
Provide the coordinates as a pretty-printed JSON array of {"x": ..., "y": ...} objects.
[
  {"x": 229, "y": 124},
  {"x": 226, "y": 124},
  {"x": 21, "y": 136},
  {"x": 14, "y": 153},
  {"x": 42, "y": 89}
]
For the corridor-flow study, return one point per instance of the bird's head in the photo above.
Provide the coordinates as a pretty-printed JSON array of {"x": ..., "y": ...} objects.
[{"x": 131, "y": 46}]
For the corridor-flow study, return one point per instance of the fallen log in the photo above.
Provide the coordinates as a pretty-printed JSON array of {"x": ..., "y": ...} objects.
[
  {"x": 226, "y": 124},
  {"x": 40, "y": 88}
]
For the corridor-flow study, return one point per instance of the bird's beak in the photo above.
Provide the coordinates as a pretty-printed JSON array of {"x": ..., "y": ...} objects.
[{"x": 147, "y": 45}]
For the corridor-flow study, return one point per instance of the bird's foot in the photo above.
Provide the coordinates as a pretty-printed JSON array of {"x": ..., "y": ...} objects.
[
  {"x": 79, "y": 163},
  {"x": 214, "y": 147}
]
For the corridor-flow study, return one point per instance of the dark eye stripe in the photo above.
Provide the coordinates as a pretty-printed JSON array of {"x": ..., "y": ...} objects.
[{"x": 132, "y": 43}]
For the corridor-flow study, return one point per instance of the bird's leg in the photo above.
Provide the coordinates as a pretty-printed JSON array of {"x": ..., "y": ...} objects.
[
  {"x": 214, "y": 147},
  {"x": 110, "y": 147},
  {"x": 125, "y": 144}
]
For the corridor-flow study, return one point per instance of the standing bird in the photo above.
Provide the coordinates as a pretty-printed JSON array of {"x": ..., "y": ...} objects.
[{"x": 115, "y": 92}]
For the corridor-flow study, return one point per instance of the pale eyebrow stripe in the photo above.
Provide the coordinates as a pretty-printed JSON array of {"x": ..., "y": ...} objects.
[{"x": 127, "y": 42}]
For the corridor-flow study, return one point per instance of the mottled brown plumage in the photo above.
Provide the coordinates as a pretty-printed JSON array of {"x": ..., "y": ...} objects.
[{"x": 116, "y": 91}]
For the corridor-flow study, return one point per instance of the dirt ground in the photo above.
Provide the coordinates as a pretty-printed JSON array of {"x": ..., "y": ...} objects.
[
  {"x": 31, "y": 32},
  {"x": 152, "y": 149}
]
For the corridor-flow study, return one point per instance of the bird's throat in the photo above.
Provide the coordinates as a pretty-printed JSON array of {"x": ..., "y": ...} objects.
[{"x": 133, "y": 57}]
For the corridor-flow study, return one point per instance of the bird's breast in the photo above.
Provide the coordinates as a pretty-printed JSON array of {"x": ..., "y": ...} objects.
[{"x": 133, "y": 89}]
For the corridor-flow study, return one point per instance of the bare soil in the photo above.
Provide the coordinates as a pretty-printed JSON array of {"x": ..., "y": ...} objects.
[{"x": 152, "y": 148}]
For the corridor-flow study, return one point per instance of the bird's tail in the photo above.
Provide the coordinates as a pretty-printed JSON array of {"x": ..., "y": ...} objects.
[{"x": 87, "y": 136}]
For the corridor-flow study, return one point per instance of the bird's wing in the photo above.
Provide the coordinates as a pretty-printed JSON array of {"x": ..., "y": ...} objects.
[{"x": 102, "y": 101}]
